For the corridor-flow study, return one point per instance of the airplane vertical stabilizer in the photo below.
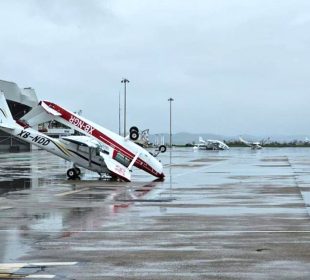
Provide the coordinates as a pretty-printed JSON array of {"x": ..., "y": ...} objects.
[{"x": 6, "y": 119}]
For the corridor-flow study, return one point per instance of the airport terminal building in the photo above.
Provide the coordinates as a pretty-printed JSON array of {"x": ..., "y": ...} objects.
[{"x": 20, "y": 101}]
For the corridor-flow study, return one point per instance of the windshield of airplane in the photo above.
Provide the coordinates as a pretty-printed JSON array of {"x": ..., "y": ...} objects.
[{"x": 122, "y": 159}]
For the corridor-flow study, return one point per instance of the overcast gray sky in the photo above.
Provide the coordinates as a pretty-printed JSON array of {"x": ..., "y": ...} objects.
[{"x": 232, "y": 66}]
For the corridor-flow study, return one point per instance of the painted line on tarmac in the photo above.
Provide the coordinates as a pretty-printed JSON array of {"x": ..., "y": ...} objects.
[
  {"x": 38, "y": 276},
  {"x": 72, "y": 192},
  {"x": 6, "y": 207},
  {"x": 160, "y": 231},
  {"x": 198, "y": 169}
]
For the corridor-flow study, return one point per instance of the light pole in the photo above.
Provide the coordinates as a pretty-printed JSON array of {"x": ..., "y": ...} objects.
[
  {"x": 125, "y": 81},
  {"x": 170, "y": 100},
  {"x": 119, "y": 113}
]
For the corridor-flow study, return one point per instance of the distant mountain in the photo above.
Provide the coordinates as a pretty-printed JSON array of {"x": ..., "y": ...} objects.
[{"x": 183, "y": 138}]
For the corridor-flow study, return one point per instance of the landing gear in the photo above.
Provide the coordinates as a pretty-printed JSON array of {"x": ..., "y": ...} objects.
[
  {"x": 134, "y": 133},
  {"x": 73, "y": 173},
  {"x": 78, "y": 171},
  {"x": 133, "y": 128},
  {"x": 162, "y": 148}
]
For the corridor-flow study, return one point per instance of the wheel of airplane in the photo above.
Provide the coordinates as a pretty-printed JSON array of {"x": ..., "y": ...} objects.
[
  {"x": 78, "y": 171},
  {"x": 134, "y": 135},
  {"x": 134, "y": 128},
  {"x": 162, "y": 148},
  {"x": 71, "y": 173}
]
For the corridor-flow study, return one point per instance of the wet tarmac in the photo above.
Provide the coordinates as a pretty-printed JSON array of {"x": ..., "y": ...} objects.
[{"x": 237, "y": 214}]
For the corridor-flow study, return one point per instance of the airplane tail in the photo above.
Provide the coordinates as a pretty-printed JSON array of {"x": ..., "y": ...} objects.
[
  {"x": 201, "y": 140},
  {"x": 116, "y": 168},
  {"x": 6, "y": 119},
  {"x": 242, "y": 140}
]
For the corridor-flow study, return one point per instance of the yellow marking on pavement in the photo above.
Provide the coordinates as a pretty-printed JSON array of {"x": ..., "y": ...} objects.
[
  {"x": 25, "y": 276},
  {"x": 8, "y": 270}
]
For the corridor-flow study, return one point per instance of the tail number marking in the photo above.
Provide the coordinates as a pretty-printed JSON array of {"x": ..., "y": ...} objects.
[
  {"x": 37, "y": 139},
  {"x": 79, "y": 123}
]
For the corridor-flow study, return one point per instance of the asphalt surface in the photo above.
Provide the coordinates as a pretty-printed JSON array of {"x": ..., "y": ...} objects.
[{"x": 237, "y": 214}]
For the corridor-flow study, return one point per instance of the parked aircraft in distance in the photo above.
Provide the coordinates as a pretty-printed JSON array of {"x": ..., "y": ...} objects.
[
  {"x": 254, "y": 145},
  {"x": 210, "y": 145},
  {"x": 121, "y": 149},
  {"x": 82, "y": 151}
]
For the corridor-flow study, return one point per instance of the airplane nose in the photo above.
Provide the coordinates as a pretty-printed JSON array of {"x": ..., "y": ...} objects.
[
  {"x": 160, "y": 170},
  {"x": 158, "y": 167}
]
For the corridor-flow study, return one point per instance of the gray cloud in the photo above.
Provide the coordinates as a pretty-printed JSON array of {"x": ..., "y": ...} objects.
[{"x": 232, "y": 66}]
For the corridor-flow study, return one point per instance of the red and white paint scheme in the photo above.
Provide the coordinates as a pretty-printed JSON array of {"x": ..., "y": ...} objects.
[
  {"x": 121, "y": 148},
  {"x": 82, "y": 151}
]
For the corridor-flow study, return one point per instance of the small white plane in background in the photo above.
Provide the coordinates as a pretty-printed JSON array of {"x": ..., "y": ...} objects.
[
  {"x": 120, "y": 149},
  {"x": 82, "y": 151},
  {"x": 254, "y": 145},
  {"x": 210, "y": 145}
]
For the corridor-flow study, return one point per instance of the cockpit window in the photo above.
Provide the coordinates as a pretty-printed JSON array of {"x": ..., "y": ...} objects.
[{"x": 122, "y": 159}]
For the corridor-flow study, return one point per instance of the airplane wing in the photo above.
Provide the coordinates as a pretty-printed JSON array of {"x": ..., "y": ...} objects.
[{"x": 82, "y": 141}]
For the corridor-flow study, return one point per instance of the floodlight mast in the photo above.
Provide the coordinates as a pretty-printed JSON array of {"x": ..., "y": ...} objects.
[
  {"x": 170, "y": 100},
  {"x": 125, "y": 81}
]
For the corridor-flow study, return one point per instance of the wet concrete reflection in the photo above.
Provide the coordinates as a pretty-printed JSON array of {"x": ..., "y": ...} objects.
[
  {"x": 233, "y": 214},
  {"x": 14, "y": 185}
]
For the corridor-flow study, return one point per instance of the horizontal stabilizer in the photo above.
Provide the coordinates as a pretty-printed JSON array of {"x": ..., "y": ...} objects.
[
  {"x": 49, "y": 109},
  {"x": 36, "y": 116}
]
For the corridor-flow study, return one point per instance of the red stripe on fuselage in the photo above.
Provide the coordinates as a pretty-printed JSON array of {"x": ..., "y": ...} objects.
[{"x": 107, "y": 140}]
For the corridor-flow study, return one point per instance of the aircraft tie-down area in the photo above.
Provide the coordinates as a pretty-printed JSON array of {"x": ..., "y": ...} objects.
[
  {"x": 211, "y": 145},
  {"x": 254, "y": 145},
  {"x": 98, "y": 149}
]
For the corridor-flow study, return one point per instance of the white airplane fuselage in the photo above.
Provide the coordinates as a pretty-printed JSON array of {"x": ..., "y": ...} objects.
[
  {"x": 60, "y": 148},
  {"x": 211, "y": 145},
  {"x": 121, "y": 147}
]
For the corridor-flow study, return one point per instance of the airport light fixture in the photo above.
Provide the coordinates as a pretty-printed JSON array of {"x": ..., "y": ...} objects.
[
  {"x": 124, "y": 81},
  {"x": 170, "y": 144}
]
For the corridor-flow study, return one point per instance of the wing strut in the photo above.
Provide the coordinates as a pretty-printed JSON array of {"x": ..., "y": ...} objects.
[{"x": 133, "y": 161}]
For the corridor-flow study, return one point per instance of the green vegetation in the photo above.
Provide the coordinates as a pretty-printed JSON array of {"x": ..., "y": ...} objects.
[{"x": 292, "y": 144}]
